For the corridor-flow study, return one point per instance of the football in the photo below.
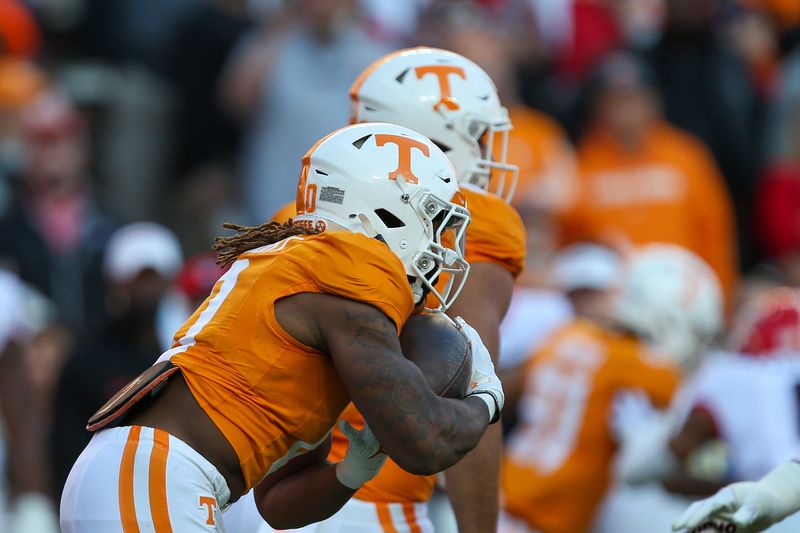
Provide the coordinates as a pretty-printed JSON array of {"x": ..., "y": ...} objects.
[{"x": 433, "y": 343}]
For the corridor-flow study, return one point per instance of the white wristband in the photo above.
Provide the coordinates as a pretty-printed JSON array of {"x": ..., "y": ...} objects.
[{"x": 490, "y": 401}]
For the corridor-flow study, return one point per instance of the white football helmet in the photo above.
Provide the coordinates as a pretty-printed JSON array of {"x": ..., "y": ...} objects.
[
  {"x": 672, "y": 299},
  {"x": 391, "y": 183},
  {"x": 449, "y": 99}
]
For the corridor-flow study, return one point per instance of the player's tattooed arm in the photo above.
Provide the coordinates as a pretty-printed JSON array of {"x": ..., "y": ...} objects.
[
  {"x": 305, "y": 490},
  {"x": 422, "y": 432}
]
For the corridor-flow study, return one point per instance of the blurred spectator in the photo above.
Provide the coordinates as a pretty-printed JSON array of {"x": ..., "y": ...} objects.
[
  {"x": 205, "y": 201},
  {"x": 778, "y": 192},
  {"x": 208, "y": 139},
  {"x": 21, "y": 427},
  {"x": 139, "y": 266},
  {"x": 785, "y": 110},
  {"x": 593, "y": 33},
  {"x": 778, "y": 212},
  {"x": 706, "y": 89},
  {"x": 640, "y": 21},
  {"x": 754, "y": 38},
  {"x": 537, "y": 144},
  {"x": 55, "y": 235},
  {"x": 645, "y": 181},
  {"x": 19, "y": 34},
  {"x": 290, "y": 81},
  {"x": 786, "y": 13},
  {"x": 20, "y": 84},
  {"x": 392, "y": 22},
  {"x": 201, "y": 44}
]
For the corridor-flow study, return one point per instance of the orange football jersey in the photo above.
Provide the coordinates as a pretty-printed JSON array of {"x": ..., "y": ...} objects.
[
  {"x": 494, "y": 235},
  {"x": 557, "y": 463},
  {"x": 272, "y": 397}
]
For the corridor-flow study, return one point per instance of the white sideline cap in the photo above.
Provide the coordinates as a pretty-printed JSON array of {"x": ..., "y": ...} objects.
[
  {"x": 586, "y": 266},
  {"x": 140, "y": 246}
]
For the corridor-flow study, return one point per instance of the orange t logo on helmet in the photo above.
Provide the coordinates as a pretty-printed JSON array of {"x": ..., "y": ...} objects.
[
  {"x": 404, "y": 147},
  {"x": 442, "y": 72}
]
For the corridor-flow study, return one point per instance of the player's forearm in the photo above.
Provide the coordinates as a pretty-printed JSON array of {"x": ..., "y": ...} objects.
[
  {"x": 309, "y": 496},
  {"x": 420, "y": 431},
  {"x": 473, "y": 485},
  {"x": 439, "y": 436}
]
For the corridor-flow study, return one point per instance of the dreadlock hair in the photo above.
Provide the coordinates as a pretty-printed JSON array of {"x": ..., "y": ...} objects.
[{"x": 228, "y": 249}]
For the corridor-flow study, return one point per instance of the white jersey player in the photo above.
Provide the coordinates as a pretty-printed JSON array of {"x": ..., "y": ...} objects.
[
  {"x": 749, "y": 402},
  {"x": 770, "y": 407}
]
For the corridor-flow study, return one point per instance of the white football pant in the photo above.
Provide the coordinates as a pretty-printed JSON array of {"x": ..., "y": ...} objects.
[
  {"x": 136, "y": 479},
  {"x": 355, "y": 517}
]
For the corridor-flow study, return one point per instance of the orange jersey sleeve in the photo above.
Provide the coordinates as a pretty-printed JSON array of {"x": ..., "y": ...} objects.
[
  {"x": 272, "y": 397},
  {"x": 392, "y": 484},
  {"x": 557, "y": 465},
  {"x": 285, "y": 213},
  {"x": 495, "y": 233}
]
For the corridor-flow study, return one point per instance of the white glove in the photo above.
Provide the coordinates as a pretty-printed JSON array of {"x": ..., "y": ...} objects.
[
  {"x": 484, "y": 383},
  {"x": 363, "y": 460},
  {"x": 643, "y": 435},
  {"x": 751, "y": 506}
]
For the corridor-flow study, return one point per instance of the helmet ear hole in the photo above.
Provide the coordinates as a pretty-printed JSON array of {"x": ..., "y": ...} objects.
[{"x": 389, "y": 219}]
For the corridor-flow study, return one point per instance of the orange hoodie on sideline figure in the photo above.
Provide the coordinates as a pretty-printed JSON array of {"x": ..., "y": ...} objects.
[{"x": 668, "y": 190}]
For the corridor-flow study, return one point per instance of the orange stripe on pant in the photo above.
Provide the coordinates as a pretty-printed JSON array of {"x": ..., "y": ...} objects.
[
  {"x": 127, "y": 508},
  {"x": 157, "y": 482},
  {"x": 385, "y": 517},
  {"x": 411, "y": 517}
]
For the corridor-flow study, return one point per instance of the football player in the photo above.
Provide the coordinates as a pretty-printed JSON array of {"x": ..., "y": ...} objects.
[
  {"x": 451, "y": 100},
  {"x": 754, "y": 394},
  {"x": 558, "y": 462},
  {"x": 305, "y": 320}
]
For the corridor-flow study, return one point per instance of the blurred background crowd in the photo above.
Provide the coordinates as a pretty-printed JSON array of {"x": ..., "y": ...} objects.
[{"x": 131, "y": 129}]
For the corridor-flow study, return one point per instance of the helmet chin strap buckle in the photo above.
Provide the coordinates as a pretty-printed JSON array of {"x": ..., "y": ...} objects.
[
  {"x": 418, "y": 291},
  {"x": 368, "y": 227}
]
